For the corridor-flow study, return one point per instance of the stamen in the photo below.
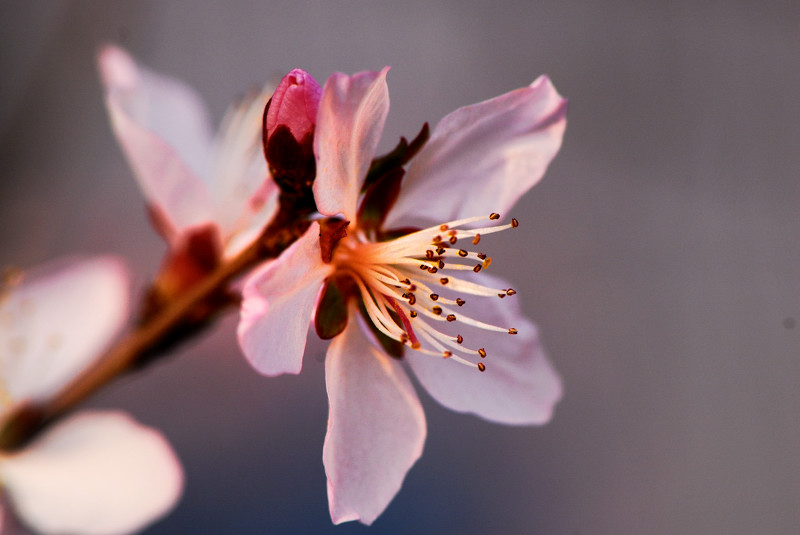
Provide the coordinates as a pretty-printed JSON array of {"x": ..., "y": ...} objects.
[
  {"x": 395, "y": 294},
  {"x": 482, "y": 366}
]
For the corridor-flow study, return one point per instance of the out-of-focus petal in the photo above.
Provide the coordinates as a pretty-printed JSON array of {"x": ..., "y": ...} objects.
[
  {"x": 350, "y": 121},
  {"x": 98, "y": 473},
  {"x": 376, "y": 427},
  {"x": 519, "y": 386},
  {"x": 164, "y": 131},
  {"x": 482, "y": 158},
  {"x": 277, "y": 302},
  {"x": 244, "y": 196},
  {"x": 57, "y": 321}
]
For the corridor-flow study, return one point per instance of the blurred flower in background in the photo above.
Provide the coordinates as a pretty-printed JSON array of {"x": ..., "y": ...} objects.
[{"x": 97, "y": 472}]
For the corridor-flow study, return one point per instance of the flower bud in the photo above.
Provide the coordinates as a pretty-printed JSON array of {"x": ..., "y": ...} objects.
[
  {"x": 294, "y": 104},
  {"x": 289, "y": 122}
]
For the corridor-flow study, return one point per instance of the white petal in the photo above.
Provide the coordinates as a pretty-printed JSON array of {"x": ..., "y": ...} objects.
[
  {"x": 376, "y": 428},
  {"x": 352, "y": 112},
  {"x": 519, "y": 385},
  {"x": 97, "y": 473},
  {"x": 57, "y": 322},
  {"x": 239, "y": 172},
  {"x": 277, "y": 303},
  {"x": 163, "y": 128},
  {"x": 482, "y": 158}
]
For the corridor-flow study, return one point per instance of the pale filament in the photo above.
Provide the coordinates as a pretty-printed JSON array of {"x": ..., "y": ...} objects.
[{"x": 412, "y": 276}]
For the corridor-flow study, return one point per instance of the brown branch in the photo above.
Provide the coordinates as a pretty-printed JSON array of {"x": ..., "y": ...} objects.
[{"x": 29, "y": 419}]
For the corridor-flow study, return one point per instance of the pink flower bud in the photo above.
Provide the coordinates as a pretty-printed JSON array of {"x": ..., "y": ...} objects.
[
  {"x": 294, "y": 104},
  {"x": 289, "y": 122}
]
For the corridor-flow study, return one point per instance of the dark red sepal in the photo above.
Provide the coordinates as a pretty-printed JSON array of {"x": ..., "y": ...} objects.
[
  {"x": 379, "y": 199},
  {"x": 398, "y": 157},
  {"x": 330, "y": 318},
  {"x": 330, "y": 234}
]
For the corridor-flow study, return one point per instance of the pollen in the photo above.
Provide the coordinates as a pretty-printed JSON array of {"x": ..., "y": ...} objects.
[{"x": 394, "y": 292}]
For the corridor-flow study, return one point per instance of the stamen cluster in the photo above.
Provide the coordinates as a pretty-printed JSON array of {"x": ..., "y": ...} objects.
[{"x": 411, "y": 289}]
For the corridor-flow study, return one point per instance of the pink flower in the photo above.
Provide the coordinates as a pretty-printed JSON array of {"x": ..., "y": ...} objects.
[
  {"x": 97, "y": 472},
  {"x": 192, "y": 179},
  {"x": 386, "y": 288}
]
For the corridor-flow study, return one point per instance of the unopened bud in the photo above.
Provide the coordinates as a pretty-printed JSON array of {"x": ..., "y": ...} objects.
[
  {"x": 289, "y": 122},
  {"x": 294, "y": 105}
]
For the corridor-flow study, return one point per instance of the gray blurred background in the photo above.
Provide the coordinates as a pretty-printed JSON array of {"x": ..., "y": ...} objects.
[{"x": 660, "y": 255}]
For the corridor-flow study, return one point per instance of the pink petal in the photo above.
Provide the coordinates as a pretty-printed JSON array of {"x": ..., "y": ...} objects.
[
  {"x": 482, "y": 158},
  {"x": 376, "y": 427},
  {"x": 97, "y": 473},
  {"x": 519, "y": 385},
  {"x": 277, "y": 304},
  {"x": 164, "y": 131},
  {"x": 57, "y": 321},
  {"x": 350, "y": 121}
]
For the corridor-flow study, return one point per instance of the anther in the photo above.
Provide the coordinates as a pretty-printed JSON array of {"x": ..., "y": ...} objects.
[
  {"x": 412, "y": 299},
  {"x": 487, "y": 262},
  {"x": 460, "y": 302},
  {"x": 413, "y": 313},
  {"x": 447, "y": 354},
  {"x": 429, "y": 254},
  {"x": 511, "y": 291},
  {"x": 482, "y": 256},
  {"x": 476, "y": 239},
  {"x": 412, "y": 287},
  {"x": 423, "y": 266},
  {"x": 482, "y": 366},
  {"x": 512, "y": 331},
  {"x": 440, "y": 251},
  {"x": 433, "y": 269},
  {"x": 444, "y": 280},
  {"x": 459, "y": 339},
  {"x": 494, "y": 216},
  {"x": 477, "y": 268},
  {"x": 501, "y": 295},
  {"x": 434, "y": 297},
  {"x": 453, "y": 240},
  {"x": 441, "y": 264},
  {"x": 438, "y": 310},
  {"x": 451, "y": 317},
  {"x": 482, "y": 353},
  {"x": 437, "y": 239},
  {"x": 462, "y": 253},
  {"x": 514, "y": 223},
  {"x": 406, "y": 281},
  {"x": 443, "y": 228}
]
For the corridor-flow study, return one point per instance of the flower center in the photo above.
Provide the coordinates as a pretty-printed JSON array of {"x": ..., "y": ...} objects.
[{"x": 413, "y": 287}]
